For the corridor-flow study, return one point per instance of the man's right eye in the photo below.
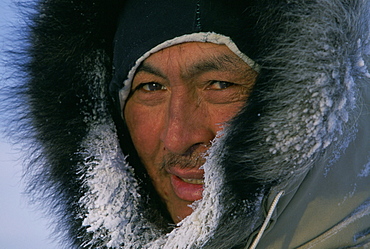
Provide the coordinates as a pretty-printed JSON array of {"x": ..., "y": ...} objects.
[{"x": 150, "y": 87}]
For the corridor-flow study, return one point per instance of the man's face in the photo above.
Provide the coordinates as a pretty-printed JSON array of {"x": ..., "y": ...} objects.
[{"x": 181, "y": 97}]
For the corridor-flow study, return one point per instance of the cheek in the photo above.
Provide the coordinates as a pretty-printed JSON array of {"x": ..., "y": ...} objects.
[
  {"x": 221, "y": 114},
  {"x": 144, "y": 127}
]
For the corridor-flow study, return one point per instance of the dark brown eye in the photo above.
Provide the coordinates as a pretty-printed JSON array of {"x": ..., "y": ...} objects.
[
  {"x": 151, "y": 87},
  {"x": 219, "y": 85}
]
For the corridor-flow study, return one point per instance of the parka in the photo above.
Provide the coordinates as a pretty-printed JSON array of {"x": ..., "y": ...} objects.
[{"x": 291, "y": 170}]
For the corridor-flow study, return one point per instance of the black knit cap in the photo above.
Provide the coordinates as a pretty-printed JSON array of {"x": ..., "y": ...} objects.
[{"x": 143, "y": 24}]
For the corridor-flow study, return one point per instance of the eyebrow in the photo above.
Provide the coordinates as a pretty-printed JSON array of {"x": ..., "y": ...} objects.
[
  {"x": 214, "y": 63},
  {"x": 221, "y": 62},
  {"x": 148, "y": 68}
]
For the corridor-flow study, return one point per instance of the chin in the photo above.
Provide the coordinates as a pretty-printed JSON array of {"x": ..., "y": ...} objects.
[{"x": 180, "y": 211}]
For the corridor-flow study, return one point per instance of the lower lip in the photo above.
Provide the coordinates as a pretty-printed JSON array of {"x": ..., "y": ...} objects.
[{"x": 186, "y": 191}]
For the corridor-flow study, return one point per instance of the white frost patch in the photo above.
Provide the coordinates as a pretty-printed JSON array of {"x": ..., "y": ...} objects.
[
  {"x": 361, "y": 64},
  {"x": 111, "y": 198},
  {"x": 365, "y": 172}
]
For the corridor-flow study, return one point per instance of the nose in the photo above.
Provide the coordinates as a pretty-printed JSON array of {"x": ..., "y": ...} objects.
[{"x": 188, "y": 127}]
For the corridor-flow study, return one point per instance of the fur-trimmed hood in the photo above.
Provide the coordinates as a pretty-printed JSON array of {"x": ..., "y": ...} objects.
[{"x": 291, "y": 169}]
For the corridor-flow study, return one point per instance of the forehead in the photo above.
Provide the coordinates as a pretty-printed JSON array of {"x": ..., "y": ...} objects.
[
  {"x": 194, "y": 57},
  {"x": 192, "y": 50}
]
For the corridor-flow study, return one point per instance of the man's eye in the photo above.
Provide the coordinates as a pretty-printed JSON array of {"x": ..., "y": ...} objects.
[
  {"x": 219, "y": 85},
  {"x": 151, "y": 87}
]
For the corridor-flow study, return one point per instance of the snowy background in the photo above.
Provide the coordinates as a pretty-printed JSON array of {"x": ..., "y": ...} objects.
[{"x": 21, "y": 225}]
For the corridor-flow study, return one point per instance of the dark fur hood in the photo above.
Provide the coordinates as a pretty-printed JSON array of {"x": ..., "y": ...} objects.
[{"x": 298, "y": 148}]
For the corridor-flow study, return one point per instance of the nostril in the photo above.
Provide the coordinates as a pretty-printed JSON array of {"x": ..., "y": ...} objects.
[{"x": 199, "y": 147}]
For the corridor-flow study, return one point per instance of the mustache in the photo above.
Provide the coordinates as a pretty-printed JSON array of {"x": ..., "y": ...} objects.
[{"x": 193, "y": 160}]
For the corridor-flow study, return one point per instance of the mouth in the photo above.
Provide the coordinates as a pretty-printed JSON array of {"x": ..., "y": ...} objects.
[
  {"x": 187, "y": 184},
  {"x": 193, "y": 181}
]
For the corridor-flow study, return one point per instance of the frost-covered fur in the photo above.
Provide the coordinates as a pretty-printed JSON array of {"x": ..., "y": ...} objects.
[{"x": 303, "y": 104}]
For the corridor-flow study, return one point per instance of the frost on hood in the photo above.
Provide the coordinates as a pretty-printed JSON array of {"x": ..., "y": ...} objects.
[
  {"x": 111, "y": 200},
  {"x": 316, "y": 98},
  {"x": 365, "y": 172}
]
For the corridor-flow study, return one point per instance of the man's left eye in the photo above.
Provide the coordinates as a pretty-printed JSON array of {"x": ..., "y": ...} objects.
[{"x": 219, "y": 85}]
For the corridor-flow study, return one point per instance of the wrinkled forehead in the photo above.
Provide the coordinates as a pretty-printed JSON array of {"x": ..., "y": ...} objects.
[{"x": 146, "y": 27}]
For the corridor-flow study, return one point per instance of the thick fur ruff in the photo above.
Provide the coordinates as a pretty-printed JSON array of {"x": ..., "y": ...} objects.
[{"x": 303, "y": 105}]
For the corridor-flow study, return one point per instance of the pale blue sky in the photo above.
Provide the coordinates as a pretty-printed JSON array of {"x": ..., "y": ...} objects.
[{"x": 21, "y": 226}]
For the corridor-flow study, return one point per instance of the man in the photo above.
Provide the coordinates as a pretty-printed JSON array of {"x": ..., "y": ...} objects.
[
  {"x": 180, "y": 97},
  {"x": 224, "y": 124}
]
